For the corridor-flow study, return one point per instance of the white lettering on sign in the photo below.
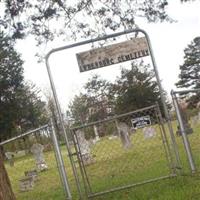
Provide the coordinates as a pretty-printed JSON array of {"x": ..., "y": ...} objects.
[
  {"x": 141, "y": 122},
  {"x": 112, "y": 54}
]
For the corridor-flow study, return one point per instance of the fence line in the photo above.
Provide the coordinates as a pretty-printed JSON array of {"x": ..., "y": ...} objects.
[{"x": 24, "y": 134}]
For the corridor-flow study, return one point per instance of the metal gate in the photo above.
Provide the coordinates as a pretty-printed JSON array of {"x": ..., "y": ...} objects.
[
  {"x": 123, "y": 151},
  {"x": 161, "y": 91}
]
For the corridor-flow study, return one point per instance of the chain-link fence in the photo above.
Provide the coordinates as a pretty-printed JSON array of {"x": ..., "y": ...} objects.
[
  {"x": 32, "y": 165},
  {"x": 124, "y": 151},
  {"x": 112, "y": 155},
  {"x": 187, "y": 108}
]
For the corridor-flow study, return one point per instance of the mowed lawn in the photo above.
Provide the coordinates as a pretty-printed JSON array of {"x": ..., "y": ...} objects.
[{"x": 113, "y": 166}]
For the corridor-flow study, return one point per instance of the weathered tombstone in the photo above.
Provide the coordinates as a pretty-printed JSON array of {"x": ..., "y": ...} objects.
[
  {"x": 187, "y": 127},
  {"x": 37, "y": 150},
  {"x": 194, "y": 120},
  {"x": 97, "y": 138},
  {"x": 10, "y": 158},
  {"x": 32, "y": 173},
  {"x": 26, "y": 184},
  {"x": 149, "y": 132},
  {"x": 124, "y": 131},
  {"x": 19, "y": 154},
  {"x": 84, "y": 147}
]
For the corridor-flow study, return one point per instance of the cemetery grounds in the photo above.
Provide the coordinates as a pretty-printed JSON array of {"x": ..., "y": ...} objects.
[{"x": 184, "y": 187}]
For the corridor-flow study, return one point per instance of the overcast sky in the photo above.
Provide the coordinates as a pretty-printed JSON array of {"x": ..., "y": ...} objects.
[{"x": 168, "y": 42}]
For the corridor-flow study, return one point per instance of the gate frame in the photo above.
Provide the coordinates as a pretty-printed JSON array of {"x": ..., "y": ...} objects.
[
  {"x": 177, "y": 163},
  {"x": 182, "y": 127},
  {"x": 166, "y": 149}
]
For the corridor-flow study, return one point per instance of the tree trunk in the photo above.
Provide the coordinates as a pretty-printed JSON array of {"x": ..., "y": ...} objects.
[{"x": 6, "y": 192}]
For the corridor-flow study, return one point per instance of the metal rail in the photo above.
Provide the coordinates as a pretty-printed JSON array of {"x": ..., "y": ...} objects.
[
  {"x": 59, "y": 160},
  {"x": 185, "y": 91},
  {"x": 131, "y": 185},
  {"x": 23, "y": 135},
  {"x": 113, "y": 118}
]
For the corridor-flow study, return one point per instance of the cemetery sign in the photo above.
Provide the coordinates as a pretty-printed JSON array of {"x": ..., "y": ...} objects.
[
  {"x": 141, "y": 122},
  {"x": 112, "y": 54}
]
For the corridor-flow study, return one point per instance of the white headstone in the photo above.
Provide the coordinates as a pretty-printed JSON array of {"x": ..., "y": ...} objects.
[
  {"x": 19, "y": 154},
  {"x": 37, "y": 150},
  {"x": 149, "y": 132},
  {"x": 10, "y": 157},
  {"x": 97, "y": 138},
  {"x": 84, "y": 146}
]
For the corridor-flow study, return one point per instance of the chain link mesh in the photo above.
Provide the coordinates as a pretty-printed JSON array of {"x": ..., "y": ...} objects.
[
  {"x": 32, "y": 168},
  {"x": 123, "y": 151}
]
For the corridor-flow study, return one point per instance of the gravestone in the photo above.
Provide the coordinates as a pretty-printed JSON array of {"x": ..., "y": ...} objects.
[
  {"x": 149, "y": 132},
  {"x": 19, "y": 154},
  {"x": 187, "y": 126},
  {"x": 194, "y": 120},
  {"x": 97, "y": 138},
  {"x": 124, "y": 130},
  {"x": 84, "y": 146},
  {"x": 37, "y": 150},
  {"x": 10, "y": 158},
  {"x": 32, "y": 173},
  {"x": 26, "y": 184},
  {"x": 112, "y": 137}
]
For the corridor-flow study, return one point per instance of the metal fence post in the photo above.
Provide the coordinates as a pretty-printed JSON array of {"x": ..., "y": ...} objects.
[
  {"x": 168, "y": 150},
  {"x": 60, "y": 162},
  {"x": 183, "y": 133},
  {"x": 163, "y": 99}
]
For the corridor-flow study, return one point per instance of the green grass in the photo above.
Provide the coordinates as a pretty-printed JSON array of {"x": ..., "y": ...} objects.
[{"x": 114, "y": 166}]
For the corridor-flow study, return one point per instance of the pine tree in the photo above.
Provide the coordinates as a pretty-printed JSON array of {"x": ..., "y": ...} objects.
[
  {"x": 19, "y": 104},
  {"x": 189, "y": 76},
  {"x": 11, "y": 82},
  {"x": 11, "y": 78},
  {"x": 135, "y": 88}
]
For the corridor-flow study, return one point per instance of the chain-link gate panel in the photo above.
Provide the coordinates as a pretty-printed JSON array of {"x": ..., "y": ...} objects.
[
  {"x": 187, "y": 107},
  {"x": 32, "y": 166},
  {"x": 123, "y": 151}
]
